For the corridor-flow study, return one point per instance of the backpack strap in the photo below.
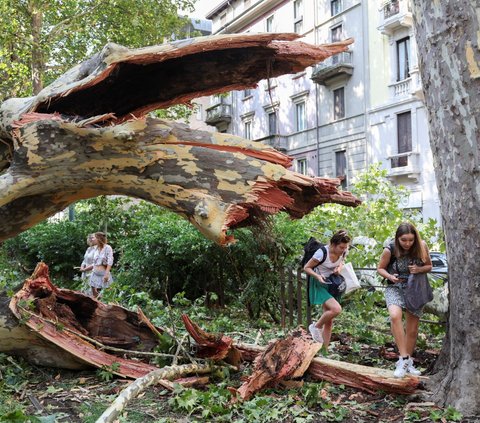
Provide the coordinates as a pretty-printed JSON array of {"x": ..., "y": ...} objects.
[
  {"x": 393, "y": 258},
  {"x": 324, "y": 255}
]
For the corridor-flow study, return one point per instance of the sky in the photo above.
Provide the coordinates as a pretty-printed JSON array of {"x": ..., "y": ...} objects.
[{"x": 202, "y": 7}]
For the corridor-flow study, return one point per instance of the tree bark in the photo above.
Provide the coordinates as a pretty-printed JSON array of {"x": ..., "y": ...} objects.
[
  {"x": 18, "y": 340},
  {"x": 448, "y": 43},
  {"x": 76, "y": 139}
]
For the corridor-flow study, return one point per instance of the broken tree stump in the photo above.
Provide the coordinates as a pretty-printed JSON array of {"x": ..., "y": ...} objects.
[
  {"x": 212, "y": 346},
  {"x": 282, "y": 360}
]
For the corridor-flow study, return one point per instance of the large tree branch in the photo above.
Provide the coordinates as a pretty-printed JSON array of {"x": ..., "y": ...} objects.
[
  {"x": 80, "y": 137},
  {"x": 217, "y": 181}
]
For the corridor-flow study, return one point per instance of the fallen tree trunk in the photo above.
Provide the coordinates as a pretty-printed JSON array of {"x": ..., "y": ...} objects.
[
  {"x": 369, "y": 379},
  {"x": 62, "y": 328},
  {"x": 17, "y": 339}
]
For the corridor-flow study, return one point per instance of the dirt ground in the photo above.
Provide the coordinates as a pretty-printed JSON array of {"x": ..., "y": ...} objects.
[{"x": 83, "y": 396}]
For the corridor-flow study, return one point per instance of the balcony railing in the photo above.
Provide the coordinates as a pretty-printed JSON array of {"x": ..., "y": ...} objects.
[
  {"x": 219, "y": 113},
  {"x": 335, "y": 67},
  {"x": 400, "y": 88},
  {"x": 395, "y": 14},
  {"x": 405, "y": 164},
  {"x": 279, "y": 142},
  {"x": 411, "y": 86}
]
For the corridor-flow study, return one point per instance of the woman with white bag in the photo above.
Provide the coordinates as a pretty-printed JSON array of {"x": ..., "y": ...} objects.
[{"x": 327, "y": 260}]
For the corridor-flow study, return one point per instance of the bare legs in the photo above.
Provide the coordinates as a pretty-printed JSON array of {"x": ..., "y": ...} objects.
[
  {"x": 331, "y": 309},
  {"x": 95, "y": 292},
  {"x": 405, "y": 338}
]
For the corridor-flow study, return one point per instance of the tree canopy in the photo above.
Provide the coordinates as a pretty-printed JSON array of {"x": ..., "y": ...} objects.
[{"x": 41, "y": 39}]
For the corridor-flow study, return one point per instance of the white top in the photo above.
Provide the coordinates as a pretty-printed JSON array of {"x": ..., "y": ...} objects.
[
  {"x": 88, "y": 261},
  {"x": 327, "y": 267}
]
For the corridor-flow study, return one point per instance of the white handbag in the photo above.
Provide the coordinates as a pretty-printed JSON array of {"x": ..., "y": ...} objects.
[{"x": 351, "y": 279}]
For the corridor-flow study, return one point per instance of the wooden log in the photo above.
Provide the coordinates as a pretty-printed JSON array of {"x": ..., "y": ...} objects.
[
  {"x": 276, "y": 361},
  {"x": 369, "y": 379},
  {"x": 212, "y": 346}
]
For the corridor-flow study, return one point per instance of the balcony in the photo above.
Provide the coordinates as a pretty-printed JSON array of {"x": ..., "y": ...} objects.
[
  {"x": 411, "y": 86},
  {"x": 395, "y": 14},
  {"x": 278, "y": 142},
  {"x": 404, "y": 164},
  {"x": 334, "y": 69},
  {"x": 219, "y": 114}
]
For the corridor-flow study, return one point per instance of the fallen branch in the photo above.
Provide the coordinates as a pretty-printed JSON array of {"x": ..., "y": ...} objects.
[
  {"x": 140, "y": 384},
  {"x": 369, "y": 379}
]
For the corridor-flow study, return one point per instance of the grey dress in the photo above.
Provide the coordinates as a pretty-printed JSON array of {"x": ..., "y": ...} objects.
[{"x": 395, "y": 293}]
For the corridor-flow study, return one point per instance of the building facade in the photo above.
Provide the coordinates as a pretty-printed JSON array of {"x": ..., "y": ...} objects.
[{"x": 354, "y": 109}]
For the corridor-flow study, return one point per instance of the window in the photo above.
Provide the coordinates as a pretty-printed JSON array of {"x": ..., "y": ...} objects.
[
  {"x": 403, "y": 59},
  {"x": 272, "y": 123},
  {"x": 223, "y": 19},
  {"x": 269, "y": 24},
  {"x": 247, "y": 93},
  {"x": 341, "y": 167},
  {"x": 302, "y": 166},
  {"x": 404, "y": 138},
  {"x": 339, "y": 103},
  {"x": 337, "y": 33},
  {"x": 300, "y": 118},
  {"x": 297, "y": 16},
  {"x": 335, "y": 7},
  {"x": 247, "y": 130},
  {"x": 199, "y": 111}
]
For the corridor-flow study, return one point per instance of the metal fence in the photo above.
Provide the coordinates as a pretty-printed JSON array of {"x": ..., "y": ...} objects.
[{"x": 294, "y": 304}]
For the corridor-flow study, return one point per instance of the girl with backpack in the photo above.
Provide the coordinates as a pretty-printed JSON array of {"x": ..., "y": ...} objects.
[
  {"x": 326, "y": 261},
  {"x": 408, "y": 254}
]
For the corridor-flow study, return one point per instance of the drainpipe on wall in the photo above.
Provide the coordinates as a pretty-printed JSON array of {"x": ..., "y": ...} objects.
[
  {"x": 366, "y": 79},
  {"x": 317, "y": 95}
]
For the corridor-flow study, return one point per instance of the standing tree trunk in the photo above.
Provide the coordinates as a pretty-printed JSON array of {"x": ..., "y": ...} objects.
[{"x": 448, "y": 39}]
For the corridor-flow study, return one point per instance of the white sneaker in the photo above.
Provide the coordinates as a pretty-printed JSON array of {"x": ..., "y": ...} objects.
[
  {"x": 401, "y": 367},
  {"x": 316, "y": 333},
  {"x": 411, "y": 368}
]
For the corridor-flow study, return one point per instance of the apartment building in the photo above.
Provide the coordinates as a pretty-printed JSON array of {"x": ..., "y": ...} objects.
[
  {"x": 397, "y": 118},
  {"x": 354, "y": 109}
]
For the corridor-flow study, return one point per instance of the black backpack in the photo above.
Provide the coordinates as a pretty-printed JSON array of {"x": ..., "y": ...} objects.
[{"x": 310, "y": 248}]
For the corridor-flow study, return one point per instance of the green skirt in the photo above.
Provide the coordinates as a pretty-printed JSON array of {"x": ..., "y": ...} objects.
[{"x": 317, "y": 292}]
